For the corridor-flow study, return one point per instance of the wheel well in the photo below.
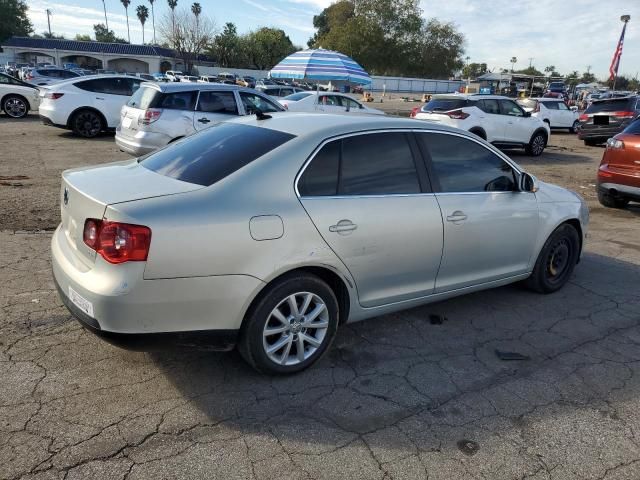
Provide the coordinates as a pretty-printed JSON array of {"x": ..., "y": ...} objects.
[
  {"x": 14, "y": 95},
  {"x": 175, "y": 139},
  {"x": 479, "y": 131},
  {"x": 575, "y": 223},
  {"x": 331, "y": 278},
  {"x": 546, "y": 120},
  {"x": 540, "y": 130},
  {"x": 80, "y": 109}
]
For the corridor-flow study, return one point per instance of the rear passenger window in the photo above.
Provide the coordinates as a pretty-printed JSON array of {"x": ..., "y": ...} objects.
[
  {"x": 178, "y": 101},
  {"x": 217, "y": 102},
  {"x": 320, "y": 178},
  {"x": 377, "y": 164},
  {"x": 489, "y": 106},
  {"x": 462, "y": 165}
]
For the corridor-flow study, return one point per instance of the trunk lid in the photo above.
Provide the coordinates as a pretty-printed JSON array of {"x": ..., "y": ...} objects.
[
  {"x": 86, "y": 193},
  {"x": 627, "y": 159}
]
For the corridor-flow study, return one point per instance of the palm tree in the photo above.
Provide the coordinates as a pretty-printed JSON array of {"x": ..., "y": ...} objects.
[
  {"x": 104, "y": 5},
  {"x": 172, "y": 5},
  {"x": 153, "y": 20},
  {"x": 126, "y": 4},
  {"x": 143, "y": 14},
  {"x": 513, "y": 61},
  {"x": 197, "y": 10}
]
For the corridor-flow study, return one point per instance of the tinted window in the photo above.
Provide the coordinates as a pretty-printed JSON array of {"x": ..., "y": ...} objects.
[
  {"x": 377, "y": 164},
  {"x": 218, "y": 102},
  {"x": 613, "y": 105},
  {"x": 462, "y": 165},
  {"x": 551, "y": 105},
  {"x": 178, "y": 101},
  {"x": 252, "y": 102},
  {"x": 297, "y": 96},
  {"x": 509, "y": 107},
  {"x": 320, "y": 178},
  {"x": 49, "y": 73},
  {"x": 633, "y": 128},
  {"x": 143, "y": 98},
  {"x": 444, "y": 104},
  {"x": 489, "y": 105},
  {"x": 562, "y": 106},
  {"x": 109, "y": 86},
  {"x": 68, "y": 74},
  {"x": 216, "y": 152}
]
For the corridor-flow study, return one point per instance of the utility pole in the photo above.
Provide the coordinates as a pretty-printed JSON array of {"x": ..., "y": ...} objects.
[
  {"x": 49, "y": 13},
  {"x": 530, "y": 62}
]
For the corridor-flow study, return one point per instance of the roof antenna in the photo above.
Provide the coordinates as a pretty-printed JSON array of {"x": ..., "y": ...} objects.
[{"x": 260, "y": 115}]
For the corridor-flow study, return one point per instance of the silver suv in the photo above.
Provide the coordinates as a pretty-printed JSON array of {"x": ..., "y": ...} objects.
[
  {"x": 49, "y": 76},
  {"x": 158, "y": 114}
]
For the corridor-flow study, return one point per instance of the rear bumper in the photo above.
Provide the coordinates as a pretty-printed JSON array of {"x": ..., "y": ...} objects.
[
  {"x": 142, "y": 143},
  {"x": 47, "y": 121},
  {"x": 127, "y": 309},
  {"x": 599, "y": 133},
  {"x": 620, "y": 190}
]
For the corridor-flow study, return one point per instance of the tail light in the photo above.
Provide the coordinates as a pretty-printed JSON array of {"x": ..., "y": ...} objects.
[
  {"x": 457, "y": 114},
  {"x": 624, "y": 114},
  {"x": 117, "y": 242},
  {"x": 414, "y": 112},
  {"x": 615, "y": 144},
  {"x": 584, "y": 117},
  {"x": 150, "y": 116},
  {"x": 53, "y": 96}
]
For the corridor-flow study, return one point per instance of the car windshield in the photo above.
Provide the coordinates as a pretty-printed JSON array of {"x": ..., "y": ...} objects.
[
  {"x": 214, "y": 153},
  {"x": 294, "y": 97},
  {"x": 444, "y": 104},
  {"x": 612, "y": 105},
  {"x": 633, "y": 128}
]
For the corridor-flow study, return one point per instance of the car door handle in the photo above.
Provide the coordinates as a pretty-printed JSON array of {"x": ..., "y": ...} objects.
[
  {"x": 343, "y": 226},
  {"x": 457, "y": 217},
  {"x": 99, "y": 98},
  {"x": 204, "y": 120}
]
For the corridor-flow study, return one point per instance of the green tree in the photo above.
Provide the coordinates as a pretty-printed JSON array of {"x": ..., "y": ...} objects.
[
  {"x": 51, "y": 35},
  {"x": 143, "y": 13},
  {"x": 588, "y": 77},
  {"x": 530, "y": 71},
  {"x": 267, "y": 46},
  {"x": 83, "y": 38},
  {"x": 125, "y": 4},
  {"x": 172, "y": 5},
  {"x": 551, "y": 71},
  {"x": 14, "y": 20},
  {"x": 104, "y": 35},
  {"x": 474, "y": 70},
  {"x": 153, "y": 20},
  {"x": 226, "y": 47}
]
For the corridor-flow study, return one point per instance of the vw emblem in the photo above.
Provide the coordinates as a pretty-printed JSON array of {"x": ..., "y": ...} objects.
[{"x": 65, "y": 196}]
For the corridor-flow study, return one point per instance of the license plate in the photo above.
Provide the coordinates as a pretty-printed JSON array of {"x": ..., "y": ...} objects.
[
  {"x": 601, "y": 120},
  {"x": 126, "y": 122},
  {"x": 82, "y": 303}
]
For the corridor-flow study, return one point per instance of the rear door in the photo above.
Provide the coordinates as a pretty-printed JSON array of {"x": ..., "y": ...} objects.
[
  {"x": 490, "y": 227},
  {"x": 370, "y": 200},
  {"x": 329, "y": 104},
  {"x": 214, "y": 107}
]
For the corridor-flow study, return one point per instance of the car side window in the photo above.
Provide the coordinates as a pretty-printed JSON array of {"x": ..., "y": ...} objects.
[
  {"x": 253, "y": 102},
  {"x": 97, "y": 85},
  {"x": 217, "y": 102},
  {"x": 509, "y": 107},
  {"x": 377, "y": 164},
  {"x": 320, "y": 178},
  {"x": 489, "y": 105},
  {"x": 66, "y": 74},
  {"x": 462, "y": 165},
  {"x": 178, "y": 101},
  {"x": 562, "y": 106},
  {"x": 352, "y": 104},
  {"x": 330, "y": 100},
  {"x": 552, "y": 105}
]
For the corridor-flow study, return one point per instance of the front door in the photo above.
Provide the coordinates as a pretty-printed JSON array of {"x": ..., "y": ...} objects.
[
  {"x": 370, "y": 201},
  {"x": 490, "y": 227}
]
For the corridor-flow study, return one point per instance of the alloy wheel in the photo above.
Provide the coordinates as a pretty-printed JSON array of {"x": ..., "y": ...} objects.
[
  {"x": 88, "y": 124},
  {"x": 295, "y": 328},
  {"x": 538, "y": 145},
  {"x": 15, "y": 107}
]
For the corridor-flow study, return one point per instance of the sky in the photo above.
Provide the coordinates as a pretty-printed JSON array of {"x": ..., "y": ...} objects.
[{"x": 569, "y": 34}]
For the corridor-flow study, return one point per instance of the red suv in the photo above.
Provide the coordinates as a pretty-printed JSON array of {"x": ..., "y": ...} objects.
[{"x": 619, "y": 172}]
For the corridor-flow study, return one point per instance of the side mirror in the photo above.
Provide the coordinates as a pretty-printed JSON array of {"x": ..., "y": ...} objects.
[
  {"x": 527, "y": 114},
  {"x": 528, "y": 183},
  {"x": 573, "y": 108}
]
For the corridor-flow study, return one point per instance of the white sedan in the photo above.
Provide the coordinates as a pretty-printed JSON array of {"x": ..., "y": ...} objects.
[
  {"x": 552, "y": 111},
  {"x": 327, "y": 102},
  {"x": 17, "y": 97}
]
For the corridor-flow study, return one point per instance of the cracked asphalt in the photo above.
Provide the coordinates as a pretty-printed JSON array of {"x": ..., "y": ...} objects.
[{"x": 397, "y": 397}]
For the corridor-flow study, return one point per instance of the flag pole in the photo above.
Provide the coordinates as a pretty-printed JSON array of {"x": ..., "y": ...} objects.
[{"x": 624, "y": 19}]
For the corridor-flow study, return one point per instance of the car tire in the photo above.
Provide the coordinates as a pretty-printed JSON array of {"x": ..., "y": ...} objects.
[
  {"x": 556, "y": 260},
  {"x": 275, "y": 339},
  {"x": 609, "y": 201},
  {"x": 87, "y": 123},
  {"x": 15, "y": 106},
  {"x": 591, "y": 143},
  {"x": 479, "y": 133},
  {"x": 574, "y": 128},
  {"x": 537, "y": 144}
]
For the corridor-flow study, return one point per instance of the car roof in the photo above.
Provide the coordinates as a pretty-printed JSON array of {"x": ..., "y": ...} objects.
[
  {"x": 470, "y": 96},
  {"x": 302, "y": 124},
  {"x": 190, "y": 86}
]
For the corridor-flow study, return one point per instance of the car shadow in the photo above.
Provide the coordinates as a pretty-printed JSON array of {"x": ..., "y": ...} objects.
[
  {"x": 101, "y": 137},
  {"x": 414, "y": 380}
]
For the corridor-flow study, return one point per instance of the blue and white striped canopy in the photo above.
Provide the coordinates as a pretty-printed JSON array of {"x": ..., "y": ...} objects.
[{"x": 320, "y": 64}]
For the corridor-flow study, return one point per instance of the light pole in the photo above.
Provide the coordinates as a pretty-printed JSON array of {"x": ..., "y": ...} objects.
[
  {"x": 616, "y": 57},
  {"x": 48, "y": 20}
]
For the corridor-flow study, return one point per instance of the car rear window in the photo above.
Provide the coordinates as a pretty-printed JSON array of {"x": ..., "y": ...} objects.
[
  {"x": 612, "y": 105},
  {"x": 215, "y": 153},
  {"x": 444, "y": 104},
  {"x": 143, "y": 98}
]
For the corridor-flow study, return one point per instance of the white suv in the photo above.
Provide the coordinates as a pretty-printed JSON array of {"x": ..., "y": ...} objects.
[
  {"x": 552, "y": 111},
  {"x": 87, "y": 105},
  {"x": 496, "y": 119}
]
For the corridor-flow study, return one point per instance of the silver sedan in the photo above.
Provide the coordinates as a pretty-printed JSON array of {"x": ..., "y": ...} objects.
[{"x": 269, "y": 232}]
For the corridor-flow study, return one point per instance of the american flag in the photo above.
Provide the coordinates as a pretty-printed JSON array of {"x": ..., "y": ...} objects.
[{"x": 615, "y": 62}]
